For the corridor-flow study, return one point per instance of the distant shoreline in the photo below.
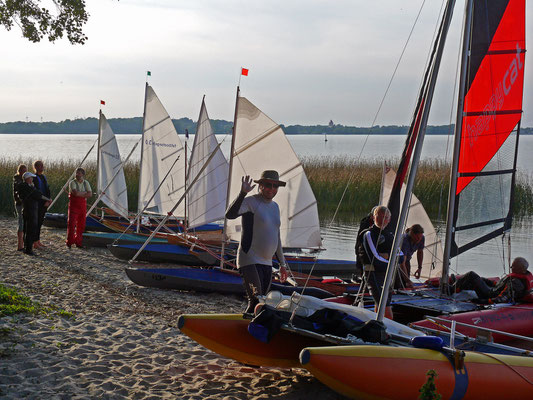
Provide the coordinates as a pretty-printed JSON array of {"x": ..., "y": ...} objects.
[{"x": 133, "y": 126}]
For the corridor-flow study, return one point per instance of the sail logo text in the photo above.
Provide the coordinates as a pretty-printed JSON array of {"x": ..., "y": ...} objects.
[
  {"x": 496, "y": 101},
  {"x": 115, "y": 156},
  {"x": 150, "y": 142}
]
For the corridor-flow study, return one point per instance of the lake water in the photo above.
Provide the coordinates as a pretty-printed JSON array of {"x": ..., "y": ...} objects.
[
  {"x": 50, "y": 147},
  {"x": 339, "y": 237}
]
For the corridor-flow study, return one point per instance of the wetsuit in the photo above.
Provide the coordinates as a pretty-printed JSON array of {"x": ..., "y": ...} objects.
[{"x": 31, "y": 197}]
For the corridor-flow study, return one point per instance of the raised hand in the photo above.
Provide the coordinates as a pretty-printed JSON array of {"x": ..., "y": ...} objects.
[{"x": 246, "y": 185}]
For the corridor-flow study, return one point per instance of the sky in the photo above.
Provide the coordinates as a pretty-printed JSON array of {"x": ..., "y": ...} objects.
[{"x": 309, "y": 61}]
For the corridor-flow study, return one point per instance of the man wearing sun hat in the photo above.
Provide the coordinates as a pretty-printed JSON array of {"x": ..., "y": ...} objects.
[{"x": 260, "y": 238}]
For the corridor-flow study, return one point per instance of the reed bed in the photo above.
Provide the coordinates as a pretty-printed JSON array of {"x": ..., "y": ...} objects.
[{"x": 330, "y": 177}]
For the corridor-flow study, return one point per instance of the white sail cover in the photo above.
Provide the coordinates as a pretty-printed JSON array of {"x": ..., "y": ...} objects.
[
  {"x": 433, "y": 254},
  {"x": 111, "y": 179},
  {"x": 260, "y": 144},
  {"x": 207, "y": 197},
  {"x": 161, "y": 146}
]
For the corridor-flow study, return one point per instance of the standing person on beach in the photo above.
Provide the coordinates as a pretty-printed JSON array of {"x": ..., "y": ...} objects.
[
  {"x": 17, "y": 180},
  {"x": 31, "y": 198},
  {"x": 42, "y": 185},
  {"x": 375, "y": 245},
  {"x": 260, "y": 238},
  {"x": 79, "y": 191}
]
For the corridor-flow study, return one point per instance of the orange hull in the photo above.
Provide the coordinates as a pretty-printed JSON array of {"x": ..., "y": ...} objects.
[
  {"x": 227, "y": 335},
  {"x": 384, "y": 372}
]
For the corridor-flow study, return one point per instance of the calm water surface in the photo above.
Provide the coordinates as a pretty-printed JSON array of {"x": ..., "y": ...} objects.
[{"x": 339, "y": 237}]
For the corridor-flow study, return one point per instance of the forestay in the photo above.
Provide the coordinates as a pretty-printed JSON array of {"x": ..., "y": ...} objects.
[
  {"x": 260, "y": 144},
  {"x": 110, "y": 164},
  {"x": 161, "y": 146},
  {"x": 433, "y": 253},
  {"x": 207, "y": 197}
]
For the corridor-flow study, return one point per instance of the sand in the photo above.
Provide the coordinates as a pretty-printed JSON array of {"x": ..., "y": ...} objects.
[{"x": 123, "y": 341}]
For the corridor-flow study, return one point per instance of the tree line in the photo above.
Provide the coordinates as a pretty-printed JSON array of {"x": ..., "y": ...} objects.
[{"x": 134, "y": 126}]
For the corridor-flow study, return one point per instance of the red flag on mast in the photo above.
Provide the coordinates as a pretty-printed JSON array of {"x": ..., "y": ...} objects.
[
  {"x": 102, "y": 102},
  {"x": 244, "y": 71}
]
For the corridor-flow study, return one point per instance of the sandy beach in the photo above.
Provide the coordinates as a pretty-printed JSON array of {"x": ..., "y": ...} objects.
[{"x": 123, "y": 341}]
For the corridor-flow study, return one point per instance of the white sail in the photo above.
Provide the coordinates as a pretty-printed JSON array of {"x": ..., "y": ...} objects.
[
  {"x": 207, "y": 197},
  {"x": 109, "y": 165},
  {"x": 433, "y": 253},
  {"x": 161, "y": 147},
  {"x": 260, "y": 144}
]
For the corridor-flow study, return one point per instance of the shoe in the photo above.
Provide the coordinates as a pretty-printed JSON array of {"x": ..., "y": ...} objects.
[
  {"x": 21, "y": 249},
  {"x": 30, "y": 253},
  {"x": 69, "y": 245},
  {"x": 79, "y": 246}
]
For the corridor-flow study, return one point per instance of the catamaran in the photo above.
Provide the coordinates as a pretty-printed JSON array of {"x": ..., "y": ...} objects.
[{"x": 369, "y": 349}]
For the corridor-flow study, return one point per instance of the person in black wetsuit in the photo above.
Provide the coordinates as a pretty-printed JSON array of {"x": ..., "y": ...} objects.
[
  {"x": 365, "y": 223},
  {"x": 375, "y": 245},
  {"x": 31, "y": 197},
  {"x": 41, "y": 184},
  {"x": 260, "y": 238}
]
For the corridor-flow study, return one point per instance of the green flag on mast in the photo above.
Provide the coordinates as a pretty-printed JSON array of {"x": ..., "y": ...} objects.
[{"x": 148, "y": 73}]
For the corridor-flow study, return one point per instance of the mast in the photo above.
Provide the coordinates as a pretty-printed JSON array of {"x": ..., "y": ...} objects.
[
  {"x": 457, "y": 145},
  {"x": 98, "y": 150},
  {"x": 139, "y": 201},
  {"x": 229, "y": 177},
  {"x": 441, "y": 38}
]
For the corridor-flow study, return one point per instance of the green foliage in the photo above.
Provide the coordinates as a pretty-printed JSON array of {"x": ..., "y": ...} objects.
[
  {"x": 133, "y": 125},
  {"x": 37, "y": 22},
  {"x": 330, "y": 177},
  {"x": 429, "y": 391},
  {"x": 11, "y": 302}
]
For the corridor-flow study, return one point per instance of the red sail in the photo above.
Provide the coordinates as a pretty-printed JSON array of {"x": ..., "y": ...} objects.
[{"x": 493, "y": 103}]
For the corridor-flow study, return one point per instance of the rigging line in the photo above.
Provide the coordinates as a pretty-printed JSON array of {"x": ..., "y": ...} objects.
[{"x": 350, "y": 178}]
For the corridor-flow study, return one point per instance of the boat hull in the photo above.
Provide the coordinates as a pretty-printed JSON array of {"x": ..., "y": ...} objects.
[
  {"x": 157, "y": 253},
  {"x": 227, "y": 335},
  {"x": 386, "y": 372},
  {"x": 516, "y": 319},
  {"x": 207, "y": 280}
]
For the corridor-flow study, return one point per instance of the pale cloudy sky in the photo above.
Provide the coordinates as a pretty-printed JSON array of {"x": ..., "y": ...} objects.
[{"x": 309, "y": 61}]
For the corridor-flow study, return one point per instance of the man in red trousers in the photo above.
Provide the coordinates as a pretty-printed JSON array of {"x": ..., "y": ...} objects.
[{"x": 79, "y": 191}]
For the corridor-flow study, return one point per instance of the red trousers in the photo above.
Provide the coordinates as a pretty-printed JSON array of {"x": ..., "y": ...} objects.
[{"x": 77, "y": 208}]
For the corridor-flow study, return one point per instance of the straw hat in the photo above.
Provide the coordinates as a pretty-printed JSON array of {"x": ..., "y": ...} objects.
[{"x": 270, "y": 176}]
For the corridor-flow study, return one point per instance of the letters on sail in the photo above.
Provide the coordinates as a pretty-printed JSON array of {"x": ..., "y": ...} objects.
[{"x": 161, "y": 147}]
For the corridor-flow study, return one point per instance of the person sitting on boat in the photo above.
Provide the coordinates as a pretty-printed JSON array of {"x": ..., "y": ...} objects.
[
  {"x": 365, "y": 223},
  {"x": 412, "y": 241},
  {"x": 260, "y": 238},
  {"x": 374, "y": 249},
  {"x": 514, "y": 287},
  {"x": 79, "y": 191},
  {"x": 31, "y": 196}
]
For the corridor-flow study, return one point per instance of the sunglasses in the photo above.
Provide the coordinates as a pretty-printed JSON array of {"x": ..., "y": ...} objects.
[{"x": 269, "y": 185}]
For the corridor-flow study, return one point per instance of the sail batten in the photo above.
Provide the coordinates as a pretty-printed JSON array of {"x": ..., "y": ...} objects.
[
  {"x": 207, "y": 197},
  {"x": 162, "y": 152},
  {"x": 490, "y": 124},
  {"x": 260, "y": 144},
  {"x": 111, "y": 184}
]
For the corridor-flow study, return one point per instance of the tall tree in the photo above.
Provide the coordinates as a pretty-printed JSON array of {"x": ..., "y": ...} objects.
[{"x": 37, "y": 22}]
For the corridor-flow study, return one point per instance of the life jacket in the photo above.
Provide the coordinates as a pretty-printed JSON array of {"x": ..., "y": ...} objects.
[{"x": 527, "y": 278}]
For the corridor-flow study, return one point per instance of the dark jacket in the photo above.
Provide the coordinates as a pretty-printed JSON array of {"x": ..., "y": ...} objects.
[
  {"x": 371, "y": 242},
  {"x": 41, "y": 184},
  {"x": 17, "y": 180},
  {"x": 30, "y": 197}
]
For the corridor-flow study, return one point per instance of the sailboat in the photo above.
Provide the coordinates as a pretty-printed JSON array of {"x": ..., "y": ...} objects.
[
  {"x": 489, "y": 112},
  {"x": 259, "y": 143},
  {"x": 354, "y": 366}
]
